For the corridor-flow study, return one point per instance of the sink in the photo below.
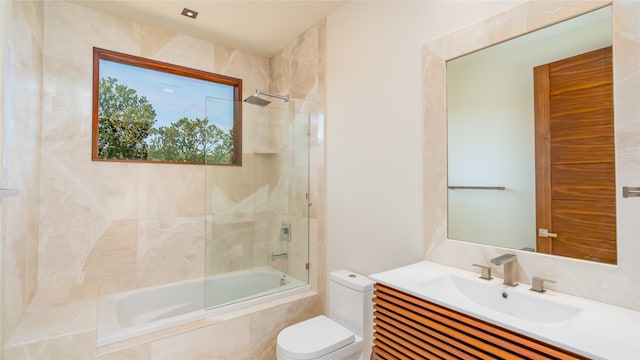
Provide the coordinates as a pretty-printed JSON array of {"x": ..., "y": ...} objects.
[
  {"x": 511, "y": 301},
  {"x": 593, "y": 329}
]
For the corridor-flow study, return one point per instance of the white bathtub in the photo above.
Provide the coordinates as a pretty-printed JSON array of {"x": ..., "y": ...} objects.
[{"x": 141, "y": 311}]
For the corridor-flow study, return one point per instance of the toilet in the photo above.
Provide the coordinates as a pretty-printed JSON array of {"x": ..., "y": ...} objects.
[{"x": 345, "y": 334}]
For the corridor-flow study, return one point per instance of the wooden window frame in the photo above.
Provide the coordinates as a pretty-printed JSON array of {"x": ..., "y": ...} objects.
[{"x": 108, "y": 55}]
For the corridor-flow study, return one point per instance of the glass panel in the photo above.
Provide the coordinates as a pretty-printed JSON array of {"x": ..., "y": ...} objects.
[{"x": 257, "y": 214}]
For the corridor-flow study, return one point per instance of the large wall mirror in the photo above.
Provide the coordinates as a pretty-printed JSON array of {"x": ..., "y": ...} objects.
[
  {"x": 613, "y": 284},
  {"x": 530, "y": 142}
]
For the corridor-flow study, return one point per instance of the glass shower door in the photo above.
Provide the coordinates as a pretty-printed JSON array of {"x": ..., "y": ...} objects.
[{"x": 257, "y": 213}]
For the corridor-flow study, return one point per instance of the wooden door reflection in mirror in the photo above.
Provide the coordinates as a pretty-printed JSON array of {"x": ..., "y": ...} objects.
[{"x": 575, "y": 157}]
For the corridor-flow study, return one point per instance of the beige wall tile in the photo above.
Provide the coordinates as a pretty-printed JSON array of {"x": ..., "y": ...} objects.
[
  {"x": 71, "y": 31},
  {"x": 141, "y": 352},
  {"x": 56, "y": 313},
  {"x": 80, "y": 194},
  {"x": 169, "y": 250},
  {"x": 107, "y": 226},
  {"x": 171, "y": 190},
  {"x": 66, "y": 96},
  {"x": 72, "y": 347},
  {"x": 252, "y": 69},
  {"x": 229, "y": 340},
  {"x": 22, "y": 82},
  {"x": 168, "y": 46},
  {"x": 112, "y": 260}
]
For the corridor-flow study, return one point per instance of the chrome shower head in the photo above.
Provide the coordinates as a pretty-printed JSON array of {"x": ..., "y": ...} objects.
[{"x": 255, "y": 100}]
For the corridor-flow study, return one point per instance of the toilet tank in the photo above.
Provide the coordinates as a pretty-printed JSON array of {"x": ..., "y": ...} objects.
[{"x": 350, "y": 300}]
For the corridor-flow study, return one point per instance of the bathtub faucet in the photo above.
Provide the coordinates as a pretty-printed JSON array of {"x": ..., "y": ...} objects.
[{"x": 283, "y": 255}]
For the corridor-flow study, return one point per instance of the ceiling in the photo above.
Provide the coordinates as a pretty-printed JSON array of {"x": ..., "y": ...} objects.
[{"x": 262, "y": 27}]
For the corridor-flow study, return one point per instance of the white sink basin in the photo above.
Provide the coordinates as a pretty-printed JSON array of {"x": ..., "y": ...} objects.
[
  {"x": 531, "y": 307},
  {"x": 593, "y": 329}
]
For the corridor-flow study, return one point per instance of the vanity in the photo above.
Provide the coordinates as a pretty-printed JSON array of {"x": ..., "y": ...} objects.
[
  {"x": 468, "y": 195},
  {"x": 486, "y": 181},
  {"x": 428, "y": 310}
]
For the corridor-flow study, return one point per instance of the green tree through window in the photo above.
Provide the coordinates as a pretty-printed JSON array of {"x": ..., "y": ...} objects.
[
  {"x": 150, "y": 111},
  {"x": 124, "y": 122},
  {"x": 125, "y": 128},
  {"x": 192, "y": 141}
]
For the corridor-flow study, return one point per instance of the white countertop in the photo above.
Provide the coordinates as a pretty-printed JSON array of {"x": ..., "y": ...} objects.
[{"x": 600, "y": 331}]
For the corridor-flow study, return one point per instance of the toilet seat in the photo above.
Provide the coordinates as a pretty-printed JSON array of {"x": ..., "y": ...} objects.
[{"x": 313, "y": 338}]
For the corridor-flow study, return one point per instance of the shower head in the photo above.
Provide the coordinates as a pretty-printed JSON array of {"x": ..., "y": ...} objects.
[{"x": 255, "y": 100}]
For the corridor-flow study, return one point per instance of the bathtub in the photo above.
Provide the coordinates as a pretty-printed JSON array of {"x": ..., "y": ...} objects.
[{"x": 137, "y": 312}]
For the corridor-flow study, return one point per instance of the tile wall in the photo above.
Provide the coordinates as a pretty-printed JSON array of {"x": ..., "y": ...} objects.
[
  {"x": 107, "y": 227},
  {"x": 23, "y": 26}
]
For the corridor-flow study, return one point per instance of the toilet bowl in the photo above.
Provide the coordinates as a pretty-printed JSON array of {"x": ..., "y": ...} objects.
[{"x": 346, "y": 333}]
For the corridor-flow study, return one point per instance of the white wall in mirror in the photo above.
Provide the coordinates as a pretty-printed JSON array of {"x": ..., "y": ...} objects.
[
  {"x": 617, "y": 285},
  {"x": 490, "y": 129}
]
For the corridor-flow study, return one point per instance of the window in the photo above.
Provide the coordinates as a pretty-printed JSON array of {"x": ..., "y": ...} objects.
[{"x": 150, "y": 111}]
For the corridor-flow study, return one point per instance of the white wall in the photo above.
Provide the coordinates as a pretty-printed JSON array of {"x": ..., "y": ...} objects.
[{"x": 374, "y": 126}]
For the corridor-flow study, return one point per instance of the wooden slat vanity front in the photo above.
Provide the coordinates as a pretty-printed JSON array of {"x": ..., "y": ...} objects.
[{"x": 408, "y": 327}]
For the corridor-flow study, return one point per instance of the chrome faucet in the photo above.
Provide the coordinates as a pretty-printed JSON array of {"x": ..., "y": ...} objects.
[{"x": 510, "y": 262}]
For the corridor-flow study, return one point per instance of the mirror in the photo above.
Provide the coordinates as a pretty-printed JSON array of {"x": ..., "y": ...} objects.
[{"x": 491, "y": 133}]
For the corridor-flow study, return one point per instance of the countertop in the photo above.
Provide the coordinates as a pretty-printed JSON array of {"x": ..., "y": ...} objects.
[{"x": 600, "y": 331}]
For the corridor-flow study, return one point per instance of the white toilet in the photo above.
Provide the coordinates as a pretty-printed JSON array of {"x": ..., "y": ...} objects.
[{"x": 344, "y": 334}]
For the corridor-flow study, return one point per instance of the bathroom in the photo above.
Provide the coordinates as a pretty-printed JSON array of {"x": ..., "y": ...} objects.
[{"x": 369, "y": 211}]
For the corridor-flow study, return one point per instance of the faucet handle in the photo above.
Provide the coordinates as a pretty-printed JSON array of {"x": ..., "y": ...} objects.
[
  {"x": 537, "y": 284},
  {"x": 485, "y": 272}
]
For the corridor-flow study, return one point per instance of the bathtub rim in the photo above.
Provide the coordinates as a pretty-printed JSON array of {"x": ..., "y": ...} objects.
[
  {"x": 147, "y": 339},
  {"x": 108, "y": 302}
]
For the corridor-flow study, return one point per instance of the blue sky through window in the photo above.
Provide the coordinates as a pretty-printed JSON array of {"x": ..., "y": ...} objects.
[{"x": 173, "y": 96}]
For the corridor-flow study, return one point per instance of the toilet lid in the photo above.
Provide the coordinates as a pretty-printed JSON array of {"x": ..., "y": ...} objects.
[{"x": 313, "y": 338}]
